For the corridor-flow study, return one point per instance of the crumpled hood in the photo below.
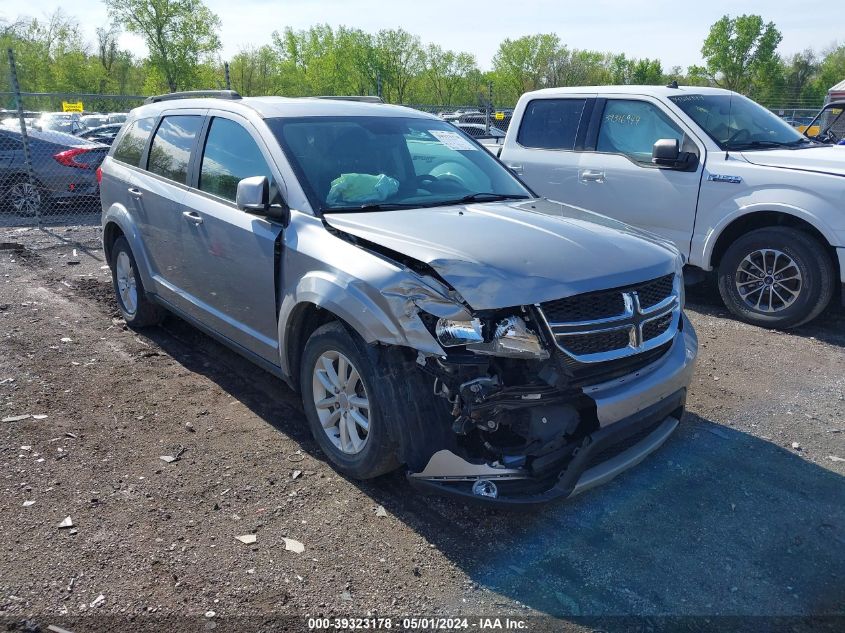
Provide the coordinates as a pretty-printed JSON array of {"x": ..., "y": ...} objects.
[
  {"x": 829, "y": 159},
  {"x": 503, "y": 254}
]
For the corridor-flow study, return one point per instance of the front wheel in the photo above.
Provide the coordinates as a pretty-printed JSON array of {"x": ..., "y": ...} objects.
[
  {"x": 776, "y": 277},
  {"x": 348, "y": 410}
]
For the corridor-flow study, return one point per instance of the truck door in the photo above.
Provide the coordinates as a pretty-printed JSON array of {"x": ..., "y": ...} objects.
[
  {"x": 544, "y": 152},
  {"x": 615, "y": 175}
]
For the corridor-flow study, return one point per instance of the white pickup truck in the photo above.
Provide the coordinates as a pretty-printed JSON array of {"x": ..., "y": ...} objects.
[{"x": 734, "y": 187}]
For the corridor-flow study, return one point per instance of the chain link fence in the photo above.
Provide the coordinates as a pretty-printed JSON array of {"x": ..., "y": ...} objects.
[{"x": 51, "y": 145}]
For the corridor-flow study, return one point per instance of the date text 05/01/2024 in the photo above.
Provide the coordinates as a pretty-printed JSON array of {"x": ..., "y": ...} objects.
[{"x": 417, "y": 624}]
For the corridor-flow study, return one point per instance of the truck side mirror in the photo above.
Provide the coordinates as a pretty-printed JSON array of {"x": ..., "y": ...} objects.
[
  {"x": 667, "y": 153},
  {"x": 253, "y": 196}
]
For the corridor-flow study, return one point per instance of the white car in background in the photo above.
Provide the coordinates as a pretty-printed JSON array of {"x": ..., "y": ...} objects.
[{"x": 735, "y": 188}]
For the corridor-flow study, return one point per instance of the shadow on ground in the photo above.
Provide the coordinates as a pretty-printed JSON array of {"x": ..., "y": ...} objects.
[
  {"x": 829, "y": 327},
  {"x": 717, "y": 522}
]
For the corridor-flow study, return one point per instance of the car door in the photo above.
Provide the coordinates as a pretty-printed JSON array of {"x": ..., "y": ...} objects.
[
  {"x": 616, "y": 177},
  {"x": 158, "y": 195},
  {"x": 550, "y": 133},
  {"x": 229, "y": 256}
]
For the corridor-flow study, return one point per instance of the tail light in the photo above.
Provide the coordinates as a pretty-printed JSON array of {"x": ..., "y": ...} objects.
[
  {"x": 68, "y": 158},
  {"x": 99, "y": 173}
]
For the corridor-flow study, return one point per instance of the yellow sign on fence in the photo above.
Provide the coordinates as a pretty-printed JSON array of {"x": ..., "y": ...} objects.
[
  {"x": 500, "y": 116},
  {"x": 71, "y": 106}
]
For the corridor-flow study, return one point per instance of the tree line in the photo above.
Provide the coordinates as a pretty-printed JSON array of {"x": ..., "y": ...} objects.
[{"x": 182, "y": 37}]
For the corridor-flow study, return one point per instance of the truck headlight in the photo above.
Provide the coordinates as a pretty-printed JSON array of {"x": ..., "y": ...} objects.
[
  {"x": 451, "y": 333},
  {"x": 512, "y": 339}
]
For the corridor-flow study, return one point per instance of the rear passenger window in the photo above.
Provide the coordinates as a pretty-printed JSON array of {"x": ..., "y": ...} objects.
[
  {"x": 551, "y": 123},
  {"x": 172, "y": 144},
  {"x": 130, "y": 148},
  {"x": 632, "y": 127},
  {"x": 230, "y": 155}
]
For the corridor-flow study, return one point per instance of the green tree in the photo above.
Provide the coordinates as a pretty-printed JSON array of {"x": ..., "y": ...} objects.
[
  {"x": 180, "y": 35},
  {"x": 447, "y": 74},
  {"x": 400, "y": 58},
  {"x": 740, "y": 52}
]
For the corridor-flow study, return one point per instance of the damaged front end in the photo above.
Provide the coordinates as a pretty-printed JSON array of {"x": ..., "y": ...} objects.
[{"x": 532, "y": 422}]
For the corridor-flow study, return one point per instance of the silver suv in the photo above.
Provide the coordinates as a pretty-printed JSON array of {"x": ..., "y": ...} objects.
[{"x": 432, "y": 311}]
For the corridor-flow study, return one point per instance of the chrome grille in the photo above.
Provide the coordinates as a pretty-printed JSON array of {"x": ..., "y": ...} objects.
[{"x": 616, "y": 323}]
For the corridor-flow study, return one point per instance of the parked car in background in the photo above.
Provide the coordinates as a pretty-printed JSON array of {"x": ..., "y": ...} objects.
[
  {"x": 491, "y": 139},
  {"x": 432, "y": 311},
  {"x": 116, "y": 117},
  {"x": 93, "y": 120},
  {"x": 828, "y": 126},
  {"x": 734, "y": 187},
  {"x": 67, "y": 122},
  {"x": 64, "y": 170},
  {"x": 102, "y": 134}
]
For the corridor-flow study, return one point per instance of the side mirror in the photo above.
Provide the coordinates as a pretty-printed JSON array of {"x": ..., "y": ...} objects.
[
  {"x": 666, "y": 152},
  {"x": 253, "y": 196}
]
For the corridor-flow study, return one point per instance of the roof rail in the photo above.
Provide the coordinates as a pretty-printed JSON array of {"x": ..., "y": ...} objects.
[
  {"x": 364, "y": 98},
  {"x": 194, "y": 94}
]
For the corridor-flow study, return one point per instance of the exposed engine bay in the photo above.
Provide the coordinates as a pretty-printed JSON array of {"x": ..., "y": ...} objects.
[{"x": 519, "y": 411}]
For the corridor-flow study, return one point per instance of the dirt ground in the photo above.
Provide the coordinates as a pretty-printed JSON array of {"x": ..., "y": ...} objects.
[{"x": 741, "y": 513}]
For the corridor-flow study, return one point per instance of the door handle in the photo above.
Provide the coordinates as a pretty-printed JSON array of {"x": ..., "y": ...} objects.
[
  {"x": 192, "y": 216},
  {"x": 135, "y": 193},
  {"x": 515, "y": 168},
  {"x": 591, "y": 175}
]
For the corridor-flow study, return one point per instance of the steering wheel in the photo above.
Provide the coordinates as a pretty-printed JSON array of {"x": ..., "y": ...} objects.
[
  {"x": 424, "y": 178},
  {"x": 736, "y": 135}
]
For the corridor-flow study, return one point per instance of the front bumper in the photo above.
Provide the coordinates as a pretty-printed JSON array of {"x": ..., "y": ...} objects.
[{"x": 636, "y": 414}]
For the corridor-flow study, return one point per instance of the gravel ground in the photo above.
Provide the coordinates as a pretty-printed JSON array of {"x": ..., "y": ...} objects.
[{"x": 741, "y": 513}]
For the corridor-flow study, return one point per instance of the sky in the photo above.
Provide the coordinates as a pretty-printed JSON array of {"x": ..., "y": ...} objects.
[{"x": 670, "y": 30}]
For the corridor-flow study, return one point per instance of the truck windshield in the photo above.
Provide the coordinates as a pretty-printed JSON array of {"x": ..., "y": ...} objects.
[
  {"x": 379, "y": 163},
  {"x": 737, "y": 123}
]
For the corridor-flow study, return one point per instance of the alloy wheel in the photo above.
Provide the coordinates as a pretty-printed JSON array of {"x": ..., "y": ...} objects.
[
  {"x": 341, "y": 402},
  {"x": 127, "y": 286},
  {"x": 25, "y": 198},
  {"x": 768, "y": 280}
]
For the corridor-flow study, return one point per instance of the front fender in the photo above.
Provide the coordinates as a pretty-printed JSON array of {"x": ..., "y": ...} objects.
[
  {"x": 387, "y": 315},
  {"x": 119, "y": 215},
  {"x": 714, "y": 232}
]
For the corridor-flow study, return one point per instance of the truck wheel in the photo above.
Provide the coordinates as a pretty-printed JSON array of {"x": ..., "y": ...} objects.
[
  {"x": 350, "y": 411},
  {"x": 776, "y": 277},
  {"x": 137, "y": 310}
]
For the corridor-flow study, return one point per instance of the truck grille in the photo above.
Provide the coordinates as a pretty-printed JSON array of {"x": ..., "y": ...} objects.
[{"x": 612, "y": 324}]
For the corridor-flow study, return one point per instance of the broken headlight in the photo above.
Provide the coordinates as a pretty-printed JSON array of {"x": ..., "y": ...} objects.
[
  {"x": 512, "y": 339},
  {"x": 451, "y": 333}
]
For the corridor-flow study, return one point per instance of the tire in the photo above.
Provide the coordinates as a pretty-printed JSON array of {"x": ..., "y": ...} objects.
[
  {"x": 798, "y": 294},
  {"x": 136, "y": 308},
  {"x": 25, "y": 199},
  {"x": 377, "y": 454}
]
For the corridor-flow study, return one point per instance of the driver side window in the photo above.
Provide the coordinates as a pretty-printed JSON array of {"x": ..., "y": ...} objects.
[
  {"x": 230, "y": 155},
  {"x": 631, "y": 128}
]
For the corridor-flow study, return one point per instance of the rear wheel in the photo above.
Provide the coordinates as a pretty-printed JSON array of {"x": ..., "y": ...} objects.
[
  {"x": 776, "y": 277},
  {"x": 25, "y": 198},
  {"x": 137, "y": 309}
]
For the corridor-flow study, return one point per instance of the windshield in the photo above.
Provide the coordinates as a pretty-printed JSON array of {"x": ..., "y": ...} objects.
[
  {"x": 372, "y": 163},
  {"x": 737, "y": 123}
]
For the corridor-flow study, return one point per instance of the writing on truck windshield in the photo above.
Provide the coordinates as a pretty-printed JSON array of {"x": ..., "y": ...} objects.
[
  {"x": 737, "y": 123},
  {"x": 380, "y": 163}
]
